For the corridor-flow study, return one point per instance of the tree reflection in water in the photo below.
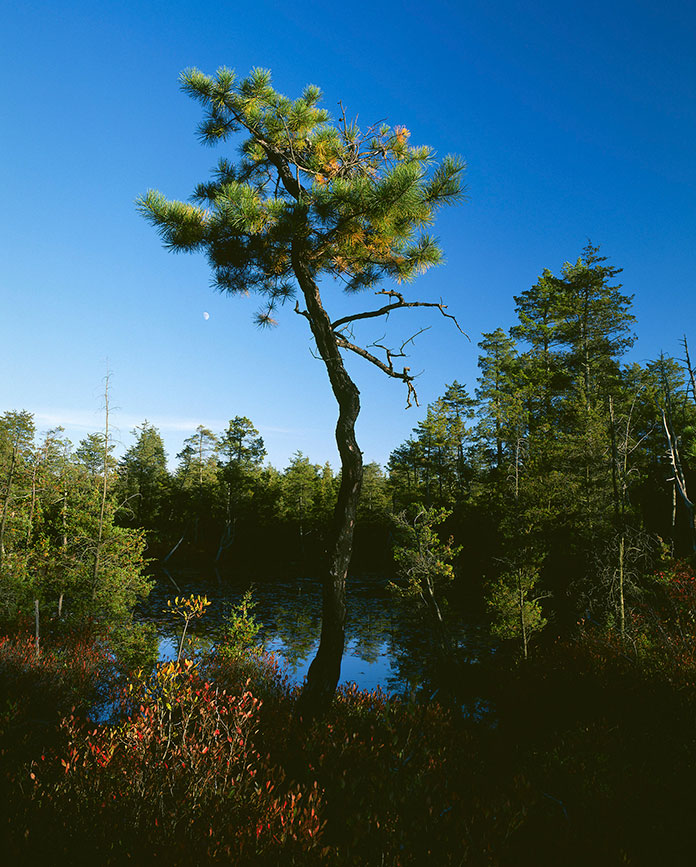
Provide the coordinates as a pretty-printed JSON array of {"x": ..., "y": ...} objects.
[{"x": 385, "y": 644}]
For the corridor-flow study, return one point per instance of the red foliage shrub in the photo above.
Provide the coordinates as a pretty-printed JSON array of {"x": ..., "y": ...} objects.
[
  {"x": 180, "y": 778},
  {"x": 200, "y": 769}
]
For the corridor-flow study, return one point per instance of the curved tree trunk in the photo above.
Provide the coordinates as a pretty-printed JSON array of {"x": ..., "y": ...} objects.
[{"x": 325, "y": 669}]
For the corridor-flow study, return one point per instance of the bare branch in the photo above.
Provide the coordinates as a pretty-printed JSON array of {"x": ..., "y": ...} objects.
[
  {"x": 388, "y": 367},
  {"x": 675, "y": 460},
  {"x": 391, "y": 353},
  {"x": 301, "y": 312},
  {"x": 399, "y": 304},
  {"x": 689, "y": 368}
]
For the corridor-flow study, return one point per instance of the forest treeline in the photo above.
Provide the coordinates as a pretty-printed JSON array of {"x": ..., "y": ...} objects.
[{"x": 563, "y": 474}]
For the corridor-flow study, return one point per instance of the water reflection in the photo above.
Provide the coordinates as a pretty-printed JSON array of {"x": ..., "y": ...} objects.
[{"x": 385, "y": 645}]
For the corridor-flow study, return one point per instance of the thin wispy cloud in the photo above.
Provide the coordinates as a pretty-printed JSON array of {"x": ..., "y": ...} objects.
[{"x": 93, "y": 420}]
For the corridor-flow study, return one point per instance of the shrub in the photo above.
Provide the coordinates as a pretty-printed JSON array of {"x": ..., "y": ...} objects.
[
  {"x": 180, "y": 777},
  {"x": 241, "y": 628}
]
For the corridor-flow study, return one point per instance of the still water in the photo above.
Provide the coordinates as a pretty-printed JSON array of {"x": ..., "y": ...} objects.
[{"x": 386, "y": 645}]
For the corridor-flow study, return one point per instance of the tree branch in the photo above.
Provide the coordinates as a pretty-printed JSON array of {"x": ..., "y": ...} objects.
[
  {"x": 301, "y": 312},
  {"x": 401, "y": 303},
  {"x": 386, "y": 367},
  {"x": 689, "y": 368}
]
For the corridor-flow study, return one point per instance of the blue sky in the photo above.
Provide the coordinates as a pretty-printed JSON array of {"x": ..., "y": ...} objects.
[{"x": 577, "y": 120}]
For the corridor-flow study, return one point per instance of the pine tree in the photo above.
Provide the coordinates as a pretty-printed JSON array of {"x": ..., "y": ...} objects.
[
  {"x": 540, "y": 314},
  {"x": 240, "y": 454},
  {"x": 596, "y": 324},
  {"x": 596, "y": 330},
  {"x": 573, "y": 330},
  {"x": 241, "y": 445},
  {"x": 312, "y": 199},
  {"x": 89, "y": 454},
  {"x": 676, "y": 416},
  {"x": 459, "y": 408},
  {"x": 437, "y": 454},
  {"x": 374, "y": 501},
  {"x": 405, "y": 466},
  {"x": 302, "y": 493},
  {"x": 198, "y": 460},
  {"x": 143, "y": 476},
  {"x": 501, "y": 398}
]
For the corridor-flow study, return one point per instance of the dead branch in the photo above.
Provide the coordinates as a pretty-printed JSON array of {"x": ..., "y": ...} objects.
[
  {"x": 675, "y": 461},
  {"x": 401, "y": 303},
  {"x": 689, "y": 368},
  {"x": 386, "y": 367},
  {"x": 391, "y": 353},
  {"x": 301, "y": 312}
]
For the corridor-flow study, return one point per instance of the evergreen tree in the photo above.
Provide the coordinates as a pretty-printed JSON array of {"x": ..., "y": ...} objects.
[
  {"x": 431, "y": 467},
  {"x": 596, "y": 327},
  {"x": 674, "y": 451},
  {"x": 241, "y": 444},
  {"x": 241, "y": 452},
  {"x": 459, "y": 408},
  {"x": 405, "y": 474},
  {"x": 374, "y": 501},
  {"x": 89, "y": 454},
  {"x": 503, "y": 415},
  {"x": 437, "y": 454},
  {"x": 310, "y": 199},
  {"x": 198, "y": 460},
  {"x": 143, "y": 476},
  {"x": 540, "y": 314},
  {"x": 302, "y": 493},
  {"x": 196, "y": 481},
  {"x": 61, "y": 545},
  {"x": 596, "y": 331},
  {"x": 516, "y": 614}
]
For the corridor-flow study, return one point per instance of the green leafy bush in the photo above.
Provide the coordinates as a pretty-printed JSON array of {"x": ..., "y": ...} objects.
[{"x": 241, "y": 628}]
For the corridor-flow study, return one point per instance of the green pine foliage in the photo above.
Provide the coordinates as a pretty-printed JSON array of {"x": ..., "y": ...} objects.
[
  {"x": 241, "y": 629},
  {"x": 354, "y": 202}
]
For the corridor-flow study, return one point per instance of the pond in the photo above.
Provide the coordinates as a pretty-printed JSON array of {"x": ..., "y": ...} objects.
[{"x": 386, "y": 645}]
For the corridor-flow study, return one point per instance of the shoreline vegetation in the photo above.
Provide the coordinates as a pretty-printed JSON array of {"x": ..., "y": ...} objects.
[{"x": 585, "y": 756}]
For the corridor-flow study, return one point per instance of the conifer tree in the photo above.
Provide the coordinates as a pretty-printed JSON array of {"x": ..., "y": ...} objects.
[
  {"x": 302, "y": 488},
  {"x": 405, "y": 473},
  {"x": 311, "y": 199},
  {"x": 437, "y": 449},
  {"x": 374, "y": 502},
  {"x": 667, "y": 386},
  {"x": 596, "y": 331},
  {"x": 596, "y": 323},
  {"x": 240, "y": 453},
  {"x": 143, "y": 475},
  {"x": 16, "y": 456},
  {"x": 241, "y": 444},
  {"x": 459, "y": 408},
  {"x": 501, "y": 399},
  {"x": 89, "y": 455}
]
